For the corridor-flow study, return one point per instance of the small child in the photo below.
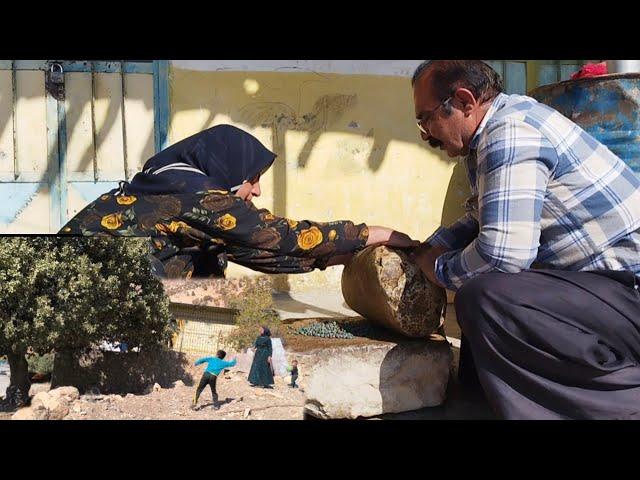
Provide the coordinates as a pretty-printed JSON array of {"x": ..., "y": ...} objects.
[
  {"x": 294, "y": 373},
  {"x": 214, "y": 366}
]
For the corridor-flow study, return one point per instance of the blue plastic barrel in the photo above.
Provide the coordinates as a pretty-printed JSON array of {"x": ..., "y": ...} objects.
[{"x": 608, "y": 107}]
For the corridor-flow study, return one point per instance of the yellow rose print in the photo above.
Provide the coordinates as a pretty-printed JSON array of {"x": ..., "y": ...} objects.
[
  {"x": 364, "y": 233},
  {"x": 292, "y": 223},
  {"x": 175, "y": 226},
  {"x": 104, "y": 198},
  {"x": 112, "y": 221},
  {"x": 66, "y": 229},
  {"x": 332, "y": 235},
  {"x": 309, "y": 238},
  {"x": 126, "y": 199},
  {"x": 269, "y": 217},
  {"x": 227, "y": 222}
]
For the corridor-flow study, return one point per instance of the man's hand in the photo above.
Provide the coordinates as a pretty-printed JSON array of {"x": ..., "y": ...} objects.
[{"x": 425, "y": 257}]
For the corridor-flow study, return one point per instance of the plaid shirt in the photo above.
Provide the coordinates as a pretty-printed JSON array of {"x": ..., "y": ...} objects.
[{"x": 545, "y": 194}]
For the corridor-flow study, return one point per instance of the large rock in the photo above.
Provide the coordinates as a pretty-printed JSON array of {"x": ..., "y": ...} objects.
[
  {"x": 68, "y": 395},
  {"x": 386, "y": 287},
  {"x": 39, "y": 387},
  {"x": 46, "y": 406},
  {"x": 52, "y": 405},
  {"x": 368, "y": 380},
  {"x": 24, "y": 414}
]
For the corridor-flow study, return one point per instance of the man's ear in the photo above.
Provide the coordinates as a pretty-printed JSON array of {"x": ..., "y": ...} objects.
[{"x": 466, "y": 99}]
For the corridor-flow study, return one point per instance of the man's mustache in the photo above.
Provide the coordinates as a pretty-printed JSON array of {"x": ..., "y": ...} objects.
[{"x": 434, "y": 142}]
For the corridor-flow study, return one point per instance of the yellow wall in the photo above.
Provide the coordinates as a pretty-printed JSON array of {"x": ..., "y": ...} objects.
[{"x": 348, "y": 149}]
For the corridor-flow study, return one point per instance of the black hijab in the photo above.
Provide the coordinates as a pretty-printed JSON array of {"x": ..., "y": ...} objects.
[{"x": 221, "y": 157}]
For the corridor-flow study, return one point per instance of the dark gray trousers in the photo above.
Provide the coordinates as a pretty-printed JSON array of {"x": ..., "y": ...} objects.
[{"x": 548, "y": 344}]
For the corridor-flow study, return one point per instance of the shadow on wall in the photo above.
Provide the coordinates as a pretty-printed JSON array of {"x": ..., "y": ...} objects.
[
  {"x": 109, "y": 121},
  {"x": 458, "y": 191},
  {"x": 109, "y": 124},
  {"x": 325, "y": 103},
  {"x": 379, "y": 109}
]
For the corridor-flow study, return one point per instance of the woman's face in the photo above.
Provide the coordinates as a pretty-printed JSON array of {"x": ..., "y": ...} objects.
[
  {"x": 249, "y": 189},
  {"x": 261, "y": 331}
]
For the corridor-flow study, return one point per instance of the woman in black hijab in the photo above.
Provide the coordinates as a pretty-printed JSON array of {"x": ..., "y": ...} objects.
[
  {"x": 193, "y": 201},
  {"x": 261, "y": 373},
  {"x": 221, "y": 157}
]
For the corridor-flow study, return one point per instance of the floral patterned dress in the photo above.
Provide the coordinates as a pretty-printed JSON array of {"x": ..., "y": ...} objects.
[{"x": 194, "y": 234}]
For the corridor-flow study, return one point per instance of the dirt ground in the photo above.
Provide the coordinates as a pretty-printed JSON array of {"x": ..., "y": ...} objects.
[{"x": 238, "y": 401}]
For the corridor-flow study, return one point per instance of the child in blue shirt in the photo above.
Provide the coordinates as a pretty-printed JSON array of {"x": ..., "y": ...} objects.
[{"x": 214, "y": 366}]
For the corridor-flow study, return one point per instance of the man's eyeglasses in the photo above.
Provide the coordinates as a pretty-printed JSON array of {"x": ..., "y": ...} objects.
[{"x": 426, "y": 116}]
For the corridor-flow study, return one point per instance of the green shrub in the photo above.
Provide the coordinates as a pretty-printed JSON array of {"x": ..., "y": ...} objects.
[
  {"x": 255, "y": 309},
  {"x": 40, "y": 363}
]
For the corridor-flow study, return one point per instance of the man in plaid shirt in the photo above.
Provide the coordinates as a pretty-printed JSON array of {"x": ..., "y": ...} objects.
[{"x": 545, "y": 261}]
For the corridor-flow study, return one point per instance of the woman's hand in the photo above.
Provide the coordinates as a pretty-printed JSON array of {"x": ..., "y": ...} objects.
[
  {"x": 340, "y": 259},
  {"x": 389, "y": 237},
  {"x": 378, "y": 236}
]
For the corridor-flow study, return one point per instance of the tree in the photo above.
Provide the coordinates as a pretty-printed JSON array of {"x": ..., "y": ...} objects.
[
  {"x": 255, "y": 308},
  {"x": 68, "y": 293}
]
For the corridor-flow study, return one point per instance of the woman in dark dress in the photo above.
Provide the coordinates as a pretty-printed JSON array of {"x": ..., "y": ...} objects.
[
  {"x": 193, "y": 202},
  {"x": 261, "y": 373}
]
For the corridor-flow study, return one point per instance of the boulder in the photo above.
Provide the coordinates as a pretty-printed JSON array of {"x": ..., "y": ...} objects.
[
  {"x": 368, "y": 380},
  {"x": 49, "y": 407},
  {"x": 24, "y": 414},
  {"x": 66, "y": 394},
  {"x": 39, "y": 387},
  {"x": 386, "y": 287}
]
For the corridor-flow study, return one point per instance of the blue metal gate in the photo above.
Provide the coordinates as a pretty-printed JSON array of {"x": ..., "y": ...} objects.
[{"x": 41, "y": 181}]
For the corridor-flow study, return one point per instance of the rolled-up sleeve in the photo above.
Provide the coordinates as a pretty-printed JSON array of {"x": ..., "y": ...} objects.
[{"x": 455, "y": 236}]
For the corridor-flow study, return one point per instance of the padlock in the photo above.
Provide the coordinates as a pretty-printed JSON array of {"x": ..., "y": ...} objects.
[{"x": 57, "y": 76}]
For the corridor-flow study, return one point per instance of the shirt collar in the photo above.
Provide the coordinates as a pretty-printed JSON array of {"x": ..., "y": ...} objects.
[{"x": 496, "y": 104}]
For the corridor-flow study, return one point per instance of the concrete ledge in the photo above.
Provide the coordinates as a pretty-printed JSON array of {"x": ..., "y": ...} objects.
[{"x": 368, "y": 380}]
